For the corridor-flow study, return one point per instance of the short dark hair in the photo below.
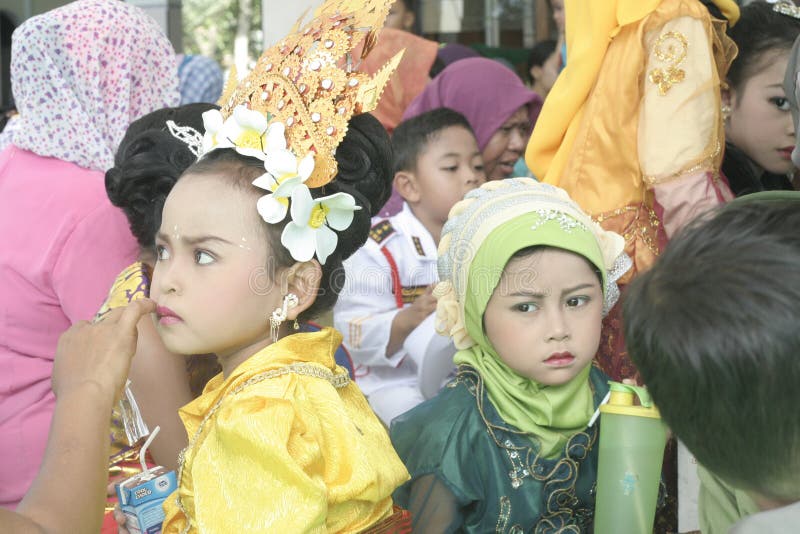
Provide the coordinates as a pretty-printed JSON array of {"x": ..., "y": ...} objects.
[
  {"x": 364, "y": 171},
  {"x": 147, "y": 164},
  {"x": 539, "y": 54},
  {"x": 410, "y": 5},
  {"x": 712, "y": 328},
  {"x": 412, "y": 136},
  {"x": 760, "y": 30}
]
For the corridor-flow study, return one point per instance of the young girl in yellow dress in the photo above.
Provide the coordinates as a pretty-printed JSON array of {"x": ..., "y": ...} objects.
[{"x": 251, "y": 241}]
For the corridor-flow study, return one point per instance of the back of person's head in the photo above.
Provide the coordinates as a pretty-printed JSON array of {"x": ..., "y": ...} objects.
[
  {"x": 149, "y": 161},
  {"x": 412, "y": 136},
  {"x": 363, "y": 160},
  {"x": 759, "y": 31},
  {"x": 450, "y": 53},
  {"x": 712, "y": 328},
  {"x": 81, "y": 73},
  {"x": 540, "y": 53}
]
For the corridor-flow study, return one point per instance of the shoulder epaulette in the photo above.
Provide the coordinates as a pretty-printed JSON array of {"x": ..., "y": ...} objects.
[
  {"x": 381, "y": 231},
  {"x": 418, "y": 245}
]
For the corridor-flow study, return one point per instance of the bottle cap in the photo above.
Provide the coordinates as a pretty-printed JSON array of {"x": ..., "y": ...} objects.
[{"x": 620, "y": 401}]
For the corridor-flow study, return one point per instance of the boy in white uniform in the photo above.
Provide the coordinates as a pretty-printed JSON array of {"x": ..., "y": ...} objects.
[{"x": 386, "y": 306}]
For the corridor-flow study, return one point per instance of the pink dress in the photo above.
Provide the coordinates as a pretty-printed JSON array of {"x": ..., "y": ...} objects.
[{"x": 63, "y": 244}]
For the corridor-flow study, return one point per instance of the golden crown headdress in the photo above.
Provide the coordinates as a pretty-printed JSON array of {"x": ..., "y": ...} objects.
[{"x": 309, "y": 80}]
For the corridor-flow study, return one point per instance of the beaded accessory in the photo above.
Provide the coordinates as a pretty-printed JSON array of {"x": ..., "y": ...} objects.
[
  {"x": 280, "y": 314},
  {"x": 785, "y": 7},
  {"x": 187, "y": 135}
]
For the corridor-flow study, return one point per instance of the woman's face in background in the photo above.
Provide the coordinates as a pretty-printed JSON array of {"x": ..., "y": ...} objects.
[
  {"x": 507, "y": 145},
  {"x": 558, "y": 14},
  {"x": 760, "y": 123},
  {"x": 399, "y": 17}
]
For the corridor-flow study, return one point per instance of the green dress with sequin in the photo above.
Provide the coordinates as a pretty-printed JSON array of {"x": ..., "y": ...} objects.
[{"x": 472, "y": 472}]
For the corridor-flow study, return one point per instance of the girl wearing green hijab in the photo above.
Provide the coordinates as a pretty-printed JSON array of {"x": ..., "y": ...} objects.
[{"x": 526, "y": 277}]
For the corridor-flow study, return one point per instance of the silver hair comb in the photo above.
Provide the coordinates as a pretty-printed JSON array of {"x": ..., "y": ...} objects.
[
  {"x": 785, "y": 7},
  {"x": 188, "y": 135}
]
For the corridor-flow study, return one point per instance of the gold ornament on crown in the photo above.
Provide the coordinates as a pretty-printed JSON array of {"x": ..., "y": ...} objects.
[{"x": 309, "y": 80}]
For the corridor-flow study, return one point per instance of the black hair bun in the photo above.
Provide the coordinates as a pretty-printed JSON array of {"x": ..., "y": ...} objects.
[
  {"x": 147, "y": 164},
  {"x": 364, "y": 159}
]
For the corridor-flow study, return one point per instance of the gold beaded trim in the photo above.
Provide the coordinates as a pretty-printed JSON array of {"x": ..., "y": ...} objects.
[
  {"x": 706, "y": 164},
  {"x": 639, "y": 228}
]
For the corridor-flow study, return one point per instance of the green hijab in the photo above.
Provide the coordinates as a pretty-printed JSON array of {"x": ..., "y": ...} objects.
[{"x": 505, "y": 220}]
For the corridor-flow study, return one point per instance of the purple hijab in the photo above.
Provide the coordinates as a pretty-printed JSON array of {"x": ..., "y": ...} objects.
[
  {"x": 485, "y": 91},
  {"x": 452, "y": 52}
]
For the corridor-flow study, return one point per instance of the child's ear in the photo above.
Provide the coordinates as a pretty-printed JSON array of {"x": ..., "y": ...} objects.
[
  {"x": 405, "y": 183},
  {"x": 303, "y": 279}
]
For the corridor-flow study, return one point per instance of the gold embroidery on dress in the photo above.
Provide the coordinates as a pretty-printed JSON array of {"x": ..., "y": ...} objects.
[
  {"x": 706, "y": 164},
  {"x": 562, "y": 503},
  {"x": 645, "y": 230},
  {"x": 338, "y": 380},
  {"x": 670, "y": 48},
  {"x": 505, "y": 515}
]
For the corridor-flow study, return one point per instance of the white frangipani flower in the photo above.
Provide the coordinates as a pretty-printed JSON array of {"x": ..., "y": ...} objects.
[
  {"x": 284, "y": 173},
  {"x": 246, "y": 131},
  {"x": 311, "y": 232},
  {"x": 313, "y": 220},
  {"x": 273, "y": 206},
  {"x": 212, "y": 124}
]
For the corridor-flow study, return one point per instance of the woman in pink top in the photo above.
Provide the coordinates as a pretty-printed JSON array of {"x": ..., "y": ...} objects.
[{"x": 80, "y": 74}]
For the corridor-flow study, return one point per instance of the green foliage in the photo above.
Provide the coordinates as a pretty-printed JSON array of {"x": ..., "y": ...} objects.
[{"x": 210, "y": 27}]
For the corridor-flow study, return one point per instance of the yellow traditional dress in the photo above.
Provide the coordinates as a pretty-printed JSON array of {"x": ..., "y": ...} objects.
[
  {"x": 286, "y": 443},
  {"x": 633, "y": 129}
]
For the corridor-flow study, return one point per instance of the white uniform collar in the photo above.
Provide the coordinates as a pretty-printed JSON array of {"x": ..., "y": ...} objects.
[{"x": 415, "y": 233}]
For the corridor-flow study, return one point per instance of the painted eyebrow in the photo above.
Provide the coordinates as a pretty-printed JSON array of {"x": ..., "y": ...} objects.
[
  {"x": 540, "y": 295},
  {"x": 194, "y": 240}
]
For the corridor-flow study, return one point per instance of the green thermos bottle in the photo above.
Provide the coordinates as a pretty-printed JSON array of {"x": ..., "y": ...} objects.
[{"x": 631, "y": 451}]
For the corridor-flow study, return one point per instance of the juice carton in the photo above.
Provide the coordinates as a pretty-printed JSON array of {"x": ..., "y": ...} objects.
[{"x": 141, "y": 497}]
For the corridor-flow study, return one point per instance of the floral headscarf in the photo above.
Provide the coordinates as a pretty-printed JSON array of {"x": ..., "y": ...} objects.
[{"x": 82, "y": 73}]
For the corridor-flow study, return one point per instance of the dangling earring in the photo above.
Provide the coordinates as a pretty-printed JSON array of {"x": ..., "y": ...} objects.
[
  {"x": 279, "y": 315},
  {"x": 726, "y": 112},
  {"x": 296, "y": 325}
]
